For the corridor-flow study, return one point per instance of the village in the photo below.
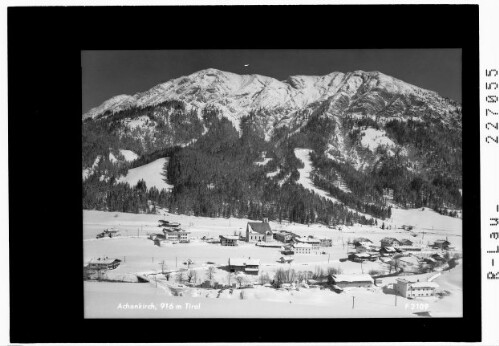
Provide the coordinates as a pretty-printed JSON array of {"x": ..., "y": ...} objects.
[{"x": 200, "y": 258}]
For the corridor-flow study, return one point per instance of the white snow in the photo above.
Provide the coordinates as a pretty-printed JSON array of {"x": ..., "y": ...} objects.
[
  {"x": 112, "y": 158},
  {"x": 89, "y": 171},
  {"x": 304, "y": 180},
  {"x": 273, "y": 174},
  {"x": 140, "y": 255},
  {"x": 151, "y": 173},
  {"x": 264, "y": 162},
  {"x": 129, "y": 155},
  {"x": 236, "y": 95},
  {"x": 372, "y": 139},
  {"x": 427, "y": 220}
]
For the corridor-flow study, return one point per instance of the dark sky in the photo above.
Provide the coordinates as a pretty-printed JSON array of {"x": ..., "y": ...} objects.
[{"x": 109, "y": 73}]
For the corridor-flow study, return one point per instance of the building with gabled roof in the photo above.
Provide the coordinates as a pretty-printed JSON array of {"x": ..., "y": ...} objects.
[
  {"x": 411, "y": 288},
  {"x": 351, "y": 280},
  {"x": 259, "y": 231},
  {"x": 389, "y": 241},
  {"x": 246, "y": 265}
]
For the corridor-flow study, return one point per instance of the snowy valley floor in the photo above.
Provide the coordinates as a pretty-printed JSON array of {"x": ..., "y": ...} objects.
[{"x": 138, "y": 254}]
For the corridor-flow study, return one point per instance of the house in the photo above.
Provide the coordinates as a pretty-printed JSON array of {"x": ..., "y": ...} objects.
[
  {"x": 324, "y": 242},
  {"x": 165, "y": 223},
  {"x": 405, "y": 242},
  {"x": 387, "y": 241},
  {"x": 229, "y": 240},
  {"x": 308, "y": 240},
  {"x": 304, "y": 248},
  {"x": 365, "y": 247},
  {"x": 437, "y": 257},
  {"x": 284, "y": 236},
  {"x": 359, "y": 257},
  {"x": 103, "y": 263},
  {"x": 259, "y": 231},
  {"x": 411, "y": 289},
  {"x": 154, "y": 236},
  {"x": 351, "y": 280},
  {"x": 110, "y": 232},
  {"x": 362, "y": 242},
  {"x": 248, "y": 266},
  {"x": 176, "y": 235},
  {"x": 387, "y": 251},
  {"x": 286, "y": 259},
  {"x": 409, "y": 248},
  {"x": 441, "y": 244}
]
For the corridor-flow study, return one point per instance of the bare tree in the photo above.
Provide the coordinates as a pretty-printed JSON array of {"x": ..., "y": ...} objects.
[
  {"x": 240, "y": 279},
  {"x": 179, "y": 276},
  {"x": 192, "y": 276},
  {"x": 264, "y": 278},
  {"x": 210, "y": 273}
]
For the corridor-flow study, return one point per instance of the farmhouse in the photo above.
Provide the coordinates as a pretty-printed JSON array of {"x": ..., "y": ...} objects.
[
  {"x": 362, "y": 242},
  {"x": 259, "y": 231},
  {"x": 387, "y": 241},
  {"x": 405, "y": 242},
  {"x": 352, "y": 280},
  {"x": 284, "y": 236},
  {"x": 229, "y": 240},
  {"x": 103, "y": 263},
  {"x": 308, "y": 240},
  {"x": 359, "y": 257},
  {"x": 441, "y": 244},
  {"x": 248, "y": 266},
  {"x": 411, "y": 289}
]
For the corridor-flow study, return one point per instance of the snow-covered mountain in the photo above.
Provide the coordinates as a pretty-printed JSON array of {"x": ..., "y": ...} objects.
[
  {"x": 235, "y": 95},
  {"x": 367, "y": 125}
]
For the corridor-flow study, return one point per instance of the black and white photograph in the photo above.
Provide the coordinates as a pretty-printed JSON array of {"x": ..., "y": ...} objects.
[
  {"x": 249, "y": 173},
  {"x": 272, "y": 183}
]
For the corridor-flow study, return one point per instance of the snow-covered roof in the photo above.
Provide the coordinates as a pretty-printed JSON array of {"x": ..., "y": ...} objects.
[
  {"x": 389, "y": 248},
  {"x": 243, "y": 261},
  {"x": 103, "y": 261},
  {"x": 308, "y": 240},
  {"x": 352, "y": 278},
  {"x": 260, "y": 227},
  {"x": 230, "y": 237},
  {"x": 302, "y": 245},
  {"x": 419, "y": 284}
]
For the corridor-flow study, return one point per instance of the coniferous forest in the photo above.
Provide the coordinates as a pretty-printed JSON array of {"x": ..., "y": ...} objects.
[{"x": 214, "y": 174}]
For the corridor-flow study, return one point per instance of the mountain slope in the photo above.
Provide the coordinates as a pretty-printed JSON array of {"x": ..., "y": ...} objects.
[{"x": 367, "y": 132}]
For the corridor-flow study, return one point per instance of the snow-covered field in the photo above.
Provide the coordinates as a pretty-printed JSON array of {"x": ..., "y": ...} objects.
[
  {"x": 140, "y": 255},
  {"x": 151, "y": 173}
]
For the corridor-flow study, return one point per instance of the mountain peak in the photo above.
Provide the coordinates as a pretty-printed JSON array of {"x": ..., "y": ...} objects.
[{"x": 238, "y": 94}]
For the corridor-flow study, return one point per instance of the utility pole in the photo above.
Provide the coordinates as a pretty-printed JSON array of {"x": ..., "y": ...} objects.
[
  {"x": 328, "y": 256},
  {"x": 353, "y": 302},
  {"x": 395, "y": 299}
]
